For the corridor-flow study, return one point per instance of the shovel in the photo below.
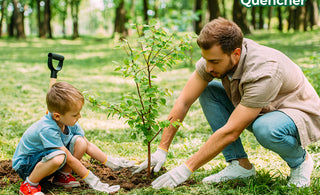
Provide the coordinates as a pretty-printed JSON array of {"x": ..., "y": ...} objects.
[{"x": 54, "y": 70}]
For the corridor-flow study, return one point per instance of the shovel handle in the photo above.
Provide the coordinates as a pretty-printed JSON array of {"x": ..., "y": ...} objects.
[{"x": 54, "y": 71}]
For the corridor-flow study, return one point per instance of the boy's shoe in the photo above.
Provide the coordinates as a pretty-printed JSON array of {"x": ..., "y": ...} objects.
[
  {"x": 232, "y": 171},
  {"x": 300, "y": 177},
  {"x": 27, "y": 189},
  {"x": 65, "y": 180}
]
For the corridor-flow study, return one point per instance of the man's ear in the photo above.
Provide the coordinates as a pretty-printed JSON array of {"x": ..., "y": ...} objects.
[
  {"x": 236, "y": 55},
  {"x": 56, "y": 116}
]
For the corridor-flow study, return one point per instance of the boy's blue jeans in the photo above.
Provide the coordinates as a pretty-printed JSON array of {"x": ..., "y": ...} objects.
[{"x": 275, "y": 130}]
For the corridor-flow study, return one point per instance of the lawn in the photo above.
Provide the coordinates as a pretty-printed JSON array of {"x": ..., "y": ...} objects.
[{"x": 89, "y": 66}]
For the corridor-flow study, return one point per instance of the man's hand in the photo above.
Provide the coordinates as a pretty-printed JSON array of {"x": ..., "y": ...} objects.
[
  {"x": 157, "y": 159},
  {"x": 173, "y": 178},
  {"x": 95, "y": 183},
  {"x": 119, "y": 163}
]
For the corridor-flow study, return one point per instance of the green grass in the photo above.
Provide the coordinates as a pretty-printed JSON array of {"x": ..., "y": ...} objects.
[{"x": 88, "y": 65}]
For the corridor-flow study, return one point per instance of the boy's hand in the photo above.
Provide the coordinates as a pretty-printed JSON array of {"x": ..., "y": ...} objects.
[
  {"x": 119, "y": 163},
  {"x": 95, "y": 183}
]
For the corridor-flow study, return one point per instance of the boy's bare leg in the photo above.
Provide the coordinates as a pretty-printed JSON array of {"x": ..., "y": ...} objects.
[
  {"x": 44, "y": 169},
  {"x": 80, "y": 147}
]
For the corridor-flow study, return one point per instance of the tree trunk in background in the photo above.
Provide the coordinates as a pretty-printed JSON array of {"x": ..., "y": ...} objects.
[
  {"x": 261, "y": 19},
  {"x": 64, "y": 16},
  {"x": 224, "y": 14},
  {"x": 197, "y": 24},
  {"x": 253, "y": 16},
  {"x": 213, "y": 7},
  {"x": 120, "y": 20},
  {"x": 156, "y": 8},
  {"x": 41, "y": 25},
  {"x": 280, "y": 27},
  {"x": 239, "y": 16},
  {"x": 74, "y": 13},
  {"x": 47, "y": 18},
  {"x": 270, "y": 10},
  {"x": 18, "y": 21},
  {"x": 314, "y": 15},
  {"x": 299, "y": 14},
  {"x": 290, "y": 17},
  {"x": 3, "y": 8},
  {"x": 145, "y": 11}
]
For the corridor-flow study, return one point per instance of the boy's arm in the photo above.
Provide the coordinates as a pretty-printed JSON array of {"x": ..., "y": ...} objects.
[{"x": 109, "y": 161}]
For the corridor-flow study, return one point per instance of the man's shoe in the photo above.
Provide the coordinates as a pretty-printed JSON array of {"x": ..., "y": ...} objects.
[
  {"x": 65, "y": 180},
  {"x": 233, "y": 171},
  {"x": 300, "y": 177},
  {"x": 27, "y": 189}
]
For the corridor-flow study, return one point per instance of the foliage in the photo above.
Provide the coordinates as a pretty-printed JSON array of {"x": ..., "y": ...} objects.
[{"x": 155, "y": 50}]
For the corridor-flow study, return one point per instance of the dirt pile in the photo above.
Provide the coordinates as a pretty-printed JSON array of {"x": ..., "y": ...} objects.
[{"x": 124, "y": 177}]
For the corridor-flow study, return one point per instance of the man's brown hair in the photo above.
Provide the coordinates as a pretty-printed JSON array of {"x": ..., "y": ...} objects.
[
  {"x": 62, "y": 96},
  {"x": 221, "y": 32}
]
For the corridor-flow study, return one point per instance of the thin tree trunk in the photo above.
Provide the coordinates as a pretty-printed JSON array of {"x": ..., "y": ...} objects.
[
  {"x": 18, "y": 22},
  {"x": 253, "y": 16},
  {"x": 290, "y": 18},
  {"x": 197, "y": 24},
  {"x": 239, "y": 16},
  {"x": 3, "y": 8},
  {"x": 270, "y": 13},
  {"x": 145, "y": 11},
  {"x": 64, "y": 16},
  {"x": 261, "y": 18},
  {"x": 280, "y": 27},
  {"x": 213, "y": 7},
  {"x": 47, "y": 18},
  {"x": 120, "y": 20},
  {"x": 75, "y": 12}
]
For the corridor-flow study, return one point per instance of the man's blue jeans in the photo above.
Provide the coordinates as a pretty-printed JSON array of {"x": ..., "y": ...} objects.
[{"x": 275, "y": 130}]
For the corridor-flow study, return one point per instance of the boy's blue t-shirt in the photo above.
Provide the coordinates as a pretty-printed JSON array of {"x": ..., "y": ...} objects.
[{"x": 43, "y": 135}]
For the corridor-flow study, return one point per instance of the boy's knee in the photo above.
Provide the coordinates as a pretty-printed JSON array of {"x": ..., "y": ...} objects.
[
  {"x": 58, "y": 160},
  {"x": 80, "y": 144}
]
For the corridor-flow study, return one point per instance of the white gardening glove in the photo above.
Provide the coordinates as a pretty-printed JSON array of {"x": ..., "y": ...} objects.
[
  {"x": 157, "y": 159},
  {"x": 173, "y": 178},
  {"x": 95, "y": 183},
  {"x": 119, "y": 163}
]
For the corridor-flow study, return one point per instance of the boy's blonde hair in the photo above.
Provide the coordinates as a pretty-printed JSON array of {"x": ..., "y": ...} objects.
[{"x": 62, "y": 96}]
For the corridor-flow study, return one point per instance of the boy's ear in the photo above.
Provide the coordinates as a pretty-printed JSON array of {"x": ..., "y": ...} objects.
[{"x": 56, "y": 116}]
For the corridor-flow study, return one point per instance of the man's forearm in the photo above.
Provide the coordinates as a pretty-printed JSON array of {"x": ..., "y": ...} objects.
[
  {"x": 215, "y": 144},
  {"x": 178, "y": 112}
]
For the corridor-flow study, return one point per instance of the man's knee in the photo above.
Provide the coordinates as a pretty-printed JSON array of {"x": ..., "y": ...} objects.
[{"x": 264, "y": 133}]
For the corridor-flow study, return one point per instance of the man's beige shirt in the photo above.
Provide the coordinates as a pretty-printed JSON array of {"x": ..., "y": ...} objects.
[{"x": 268, "y": 79}]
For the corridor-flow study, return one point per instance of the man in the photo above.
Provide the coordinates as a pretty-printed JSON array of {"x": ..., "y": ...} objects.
[{"x": 262, "y": 90}]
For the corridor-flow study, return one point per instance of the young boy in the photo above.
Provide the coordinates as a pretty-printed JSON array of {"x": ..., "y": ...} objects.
[{"x": 56, "y": 143}]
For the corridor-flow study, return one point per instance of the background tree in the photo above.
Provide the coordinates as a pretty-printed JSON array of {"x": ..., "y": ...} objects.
[
  {"x": 239, "y": 15},
  {"x": 145, "y": 11},
  {"x": 3, "y": 8},
  {"x": 197, "y": 23},
  {"x": 74, "y": 4},
  {"x": 213, "y": 7},
  {"x": 17, "y": 19},
  {"x": 120, "y": 19}
]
